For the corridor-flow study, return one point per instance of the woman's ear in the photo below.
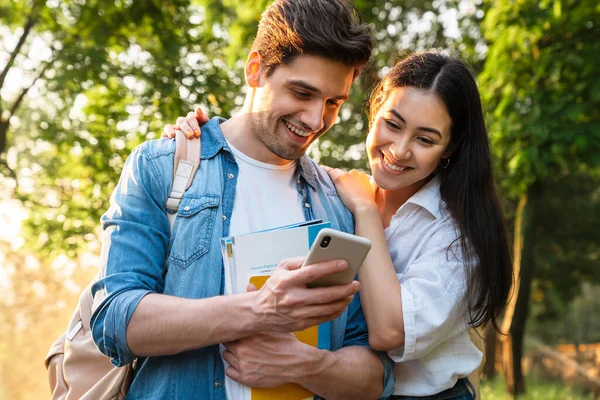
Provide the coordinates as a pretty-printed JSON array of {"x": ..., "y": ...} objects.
[{"x": 254, "y": 70}]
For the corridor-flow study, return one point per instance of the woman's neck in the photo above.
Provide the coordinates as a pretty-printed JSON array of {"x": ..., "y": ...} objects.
[{"x": 389, "y": 201}]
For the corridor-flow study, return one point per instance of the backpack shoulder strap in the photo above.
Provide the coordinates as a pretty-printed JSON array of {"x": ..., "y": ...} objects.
[{"x": 185, "y": 165}]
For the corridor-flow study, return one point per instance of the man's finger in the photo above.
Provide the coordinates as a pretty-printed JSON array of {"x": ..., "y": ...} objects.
[
  {"x": 231, "y": 359},
  {"x": 251, "y": 288},
  {"x": 291, "y": 263},
  {"x": 328, "y": 298},
  {"x": 325, "y": 310},
  {"x": 310, "y": 273},
  {"x": 331, "y": 294},
  {"x": 234, "y": 374}
]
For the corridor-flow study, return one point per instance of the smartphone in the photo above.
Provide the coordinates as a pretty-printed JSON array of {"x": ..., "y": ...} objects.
[{"x": 332, "y": 244}]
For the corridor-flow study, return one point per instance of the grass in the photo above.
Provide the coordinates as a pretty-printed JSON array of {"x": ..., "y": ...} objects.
[{"x": 537, "y": 388}]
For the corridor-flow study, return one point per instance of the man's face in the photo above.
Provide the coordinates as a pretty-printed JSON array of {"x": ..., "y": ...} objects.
[{"x": 297, "y": 104}]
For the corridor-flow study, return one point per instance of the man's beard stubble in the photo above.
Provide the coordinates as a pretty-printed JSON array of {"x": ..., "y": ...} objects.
[{"x": 274, "y": 141}]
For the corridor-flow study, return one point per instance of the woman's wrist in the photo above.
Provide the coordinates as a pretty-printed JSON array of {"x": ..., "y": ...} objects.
[{"x": 365, "y": 209}]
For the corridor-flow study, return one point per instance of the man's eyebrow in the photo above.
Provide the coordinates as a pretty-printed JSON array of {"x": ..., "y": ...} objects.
[
  {"x": 312, "y": 89},
  {"x": 420, "y": 128}
]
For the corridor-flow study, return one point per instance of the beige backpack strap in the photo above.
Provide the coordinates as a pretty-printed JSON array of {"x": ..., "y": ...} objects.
[
  {"x": 86, "y": 306},
  {"x": 186, "y": 163}
]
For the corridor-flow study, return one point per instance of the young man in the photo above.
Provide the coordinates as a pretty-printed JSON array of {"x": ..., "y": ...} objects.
[{"x": 304, "y": 60}]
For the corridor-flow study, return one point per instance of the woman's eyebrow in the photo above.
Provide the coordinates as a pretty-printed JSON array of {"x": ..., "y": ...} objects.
[{"x": 420, "y": 128}]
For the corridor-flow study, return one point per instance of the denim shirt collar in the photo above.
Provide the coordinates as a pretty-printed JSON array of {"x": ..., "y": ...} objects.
[
  {"x": 213, "y": 141},
  {"x": 306, "y": 169}
]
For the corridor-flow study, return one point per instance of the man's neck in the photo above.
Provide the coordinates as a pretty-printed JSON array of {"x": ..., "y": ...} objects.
[{"x": 236, "y": 130}]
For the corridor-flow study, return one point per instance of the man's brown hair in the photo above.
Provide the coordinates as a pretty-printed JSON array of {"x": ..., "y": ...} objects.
[{"x": 332, "y": 29}]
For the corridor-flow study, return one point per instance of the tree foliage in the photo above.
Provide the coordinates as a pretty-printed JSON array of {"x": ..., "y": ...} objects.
[
  {"x": 111, "y": 75},
  {"x": 541, "y": 86},
  {"x": 541, "y": 90}
]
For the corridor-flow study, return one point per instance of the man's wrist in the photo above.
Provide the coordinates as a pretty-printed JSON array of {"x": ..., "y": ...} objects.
[
  {"x": 312, "y": 363},
  {"x": 254, "y": 320}
]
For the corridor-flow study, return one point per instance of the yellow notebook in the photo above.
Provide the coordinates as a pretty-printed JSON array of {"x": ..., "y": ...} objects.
[
  {"x": 251, "y": 258},
  {"x": 288, "y": 391}
]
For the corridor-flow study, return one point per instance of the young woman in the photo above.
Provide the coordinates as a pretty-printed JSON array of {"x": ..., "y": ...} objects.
[{"x": 440, "y": 263}]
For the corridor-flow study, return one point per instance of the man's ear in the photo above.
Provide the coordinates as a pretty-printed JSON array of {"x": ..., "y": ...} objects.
[{"x": 254, "y": 70}]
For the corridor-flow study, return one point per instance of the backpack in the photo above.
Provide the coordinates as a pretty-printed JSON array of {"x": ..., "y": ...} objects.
[{"x": 77, "y": 369}]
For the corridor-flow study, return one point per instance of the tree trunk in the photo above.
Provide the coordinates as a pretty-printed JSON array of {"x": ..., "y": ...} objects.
[
  {"x": 518, "y": 307},
  {"x": 489, "y": 368},
  {"x": 3, "y": 136},
  {"x": 517, "y": 329}
]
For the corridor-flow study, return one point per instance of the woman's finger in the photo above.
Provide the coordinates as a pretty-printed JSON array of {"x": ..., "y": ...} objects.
[
  {"x": 169, "y": 131},
  {"x": 335, "y": 173},
  {"x": 193, "y": 123},
  {"x": 201, "y": 116},
  {"x": 185, "y": 127}
]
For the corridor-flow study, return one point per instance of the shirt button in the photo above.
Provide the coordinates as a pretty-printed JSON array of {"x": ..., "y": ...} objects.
[
  {"x": 230, "y": 176},
  {"x": 306, "y": 205},
  {"x": 218, "y": 383},
  {"x": 224, "y": 217},
  {"x": 186, "y": 208}
]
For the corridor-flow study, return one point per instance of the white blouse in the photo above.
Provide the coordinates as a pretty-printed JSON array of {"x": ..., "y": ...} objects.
[{"x": 429, "y": 264}]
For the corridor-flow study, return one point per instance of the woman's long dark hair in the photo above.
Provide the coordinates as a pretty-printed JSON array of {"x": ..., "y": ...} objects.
[{"x": 467, "y": 184}]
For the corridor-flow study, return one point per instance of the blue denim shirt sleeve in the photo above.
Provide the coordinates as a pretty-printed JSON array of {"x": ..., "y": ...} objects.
[
  {"x": 135, "y": 243},
  {"x": 357, "y": 335}
]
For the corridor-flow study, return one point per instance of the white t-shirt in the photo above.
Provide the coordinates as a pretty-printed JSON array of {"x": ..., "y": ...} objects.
[
  {"x": 437, "y": 350},
  {"x": 266, "y": 196}
]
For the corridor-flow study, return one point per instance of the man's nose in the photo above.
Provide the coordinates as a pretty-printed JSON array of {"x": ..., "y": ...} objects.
[{"x": 313, "y": 117}]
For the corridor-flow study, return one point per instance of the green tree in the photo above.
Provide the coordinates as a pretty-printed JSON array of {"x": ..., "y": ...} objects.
[
  {"x": 540, "y": 85},
  {"x": 94, "y": 79}
]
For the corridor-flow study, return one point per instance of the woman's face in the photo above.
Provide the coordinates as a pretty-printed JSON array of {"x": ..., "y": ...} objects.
[{"x": 409, "y": 137}]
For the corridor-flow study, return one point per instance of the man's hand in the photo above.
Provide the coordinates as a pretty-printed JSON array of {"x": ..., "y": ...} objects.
[
  {"x": 190, "y": 125},
  {"x": 285, "y": 304},
  {"x": 265, "y": 359}
]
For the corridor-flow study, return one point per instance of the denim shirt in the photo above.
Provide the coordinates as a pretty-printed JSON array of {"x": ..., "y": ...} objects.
[{"x": 137, "y": 241}]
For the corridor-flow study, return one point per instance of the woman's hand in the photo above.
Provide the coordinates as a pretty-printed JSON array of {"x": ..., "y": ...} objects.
[
  {"x": 354, "y": 188},
  {"x": 190, "y": 125}
]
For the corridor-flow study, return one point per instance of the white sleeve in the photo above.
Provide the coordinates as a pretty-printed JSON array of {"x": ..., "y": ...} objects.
[{"x": 433, "y": 289}]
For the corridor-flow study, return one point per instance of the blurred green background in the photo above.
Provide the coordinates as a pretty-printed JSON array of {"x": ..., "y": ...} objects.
[{"x": 83, "y": 82}]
